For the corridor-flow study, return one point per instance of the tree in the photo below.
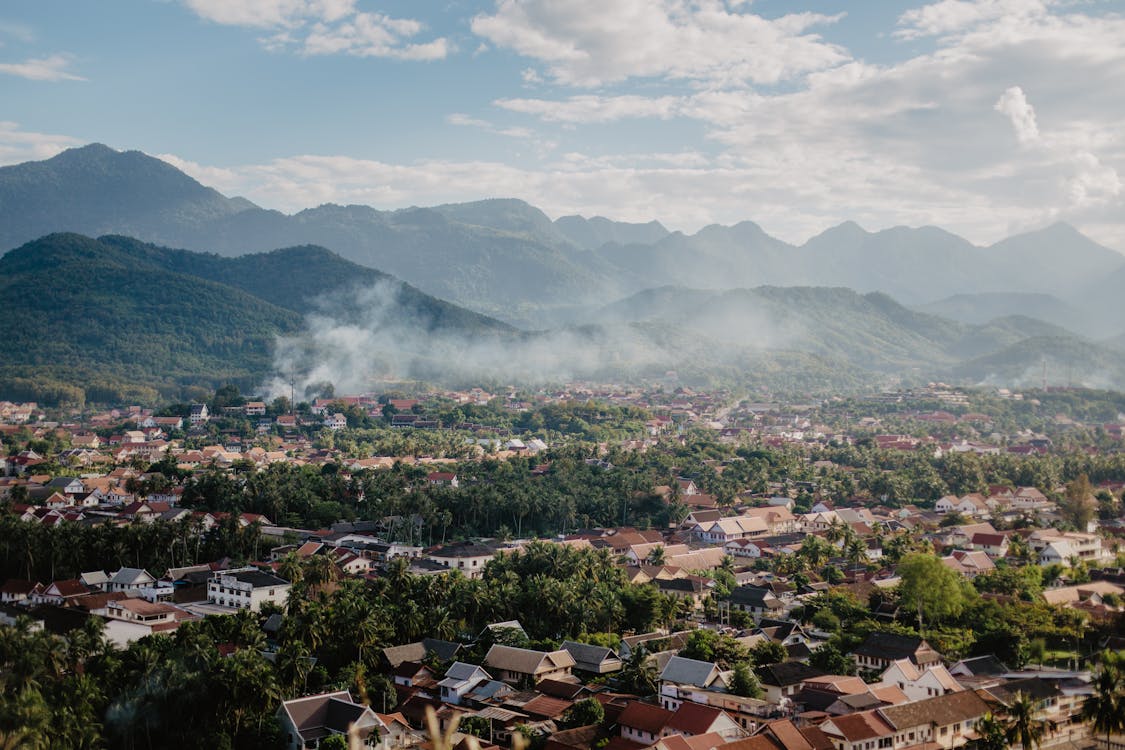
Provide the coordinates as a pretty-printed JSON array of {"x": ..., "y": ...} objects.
[
  {"x": 1024, "y": 728},
  {"x": 584, "y": 713},
  {"x": 991, "y": 733},
  {"x": 768, "y": 652},
  {"x": 1078, "y": 505},
  {"x": 929, "y": 588},
  {"x": 1104, "y": 709},
  {"x": 334, "y": 742},
  {"x": 656, "y": 555},
  {"x": 744, "y": 682},
  {"x": 832, "y": 660}
]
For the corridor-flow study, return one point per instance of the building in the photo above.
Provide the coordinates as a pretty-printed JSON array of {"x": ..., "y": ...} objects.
[
  {"x": 524, "y": 665},
  {"x": 880, "y": 650},
  {"x": 306, "y": 721},
  {"x": 467, "y": 557},
  {"x": 247, "y": 589}
]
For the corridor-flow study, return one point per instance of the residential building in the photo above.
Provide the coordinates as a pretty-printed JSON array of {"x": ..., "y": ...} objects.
[{"x": 247, "y": 589}]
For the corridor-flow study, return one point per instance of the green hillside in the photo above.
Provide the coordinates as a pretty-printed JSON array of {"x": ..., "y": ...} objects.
[{"x": 115, "y": 319}]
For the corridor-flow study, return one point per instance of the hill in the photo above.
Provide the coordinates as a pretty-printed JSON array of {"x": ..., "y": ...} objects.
[
  {"x": 115, "y": 319},
  {"x": 870, "y": 332}
]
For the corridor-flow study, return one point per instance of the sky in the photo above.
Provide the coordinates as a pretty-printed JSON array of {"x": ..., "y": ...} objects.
[{"x": 985, "y": 117}]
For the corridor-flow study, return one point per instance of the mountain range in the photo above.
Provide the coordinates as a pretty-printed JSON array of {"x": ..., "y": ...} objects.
[
  {"x": 507, "y": 259},
  {"x": 124, "y": 317}
]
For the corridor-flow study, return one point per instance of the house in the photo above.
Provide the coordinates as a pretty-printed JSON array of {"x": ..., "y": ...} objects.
[
  {"x": 993, "y": 545},
  {"x": 443, "y": 479},
  {"x": 306, "y": 721},
  {"x": 15, "y": 591},
  {"x": 129, "y": 580},
  {"x": 968, "y": 564},
  {"x": 729, "y": 529},
  {"x": 59, "y": 592},
  {"x": 643, "y": 723},
  {"x": 467, "y": 557},
  {"x": 336, "y": 421},
  {"x": 694, "y": 719},
  {"x": 156, "y": 617},
  {"x": 524, "y": 665},
  {"x": 680, "y": 670},
  {"x": 247, "y": 589},
  {"x": 459, "y": 680},
  {"x": 443, "y": 650},
  {"x": 785, "y": 679},
  {"x": 199, "y": 414},
  {"x": 918, "y": 683},
  {"x": 859, "y": 731},
  {"x": 592, "y": 659},
  {"x": 254, "y": 409},
  {"x": 757, "y": 601},
  {"x": 947, "y": 721},
  {"x": 880, "y": 650}
]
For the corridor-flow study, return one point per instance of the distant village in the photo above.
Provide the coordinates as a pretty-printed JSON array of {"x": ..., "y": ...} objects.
[{"x": 729, "y": 564}]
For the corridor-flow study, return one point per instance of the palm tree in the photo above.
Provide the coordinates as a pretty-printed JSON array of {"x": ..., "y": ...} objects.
[
  {"x": 1104, "y": 709},
  {"x": 991, "y": 732},
  {"x": 1024, "y": 728},
  {"x": 656, "y": 556}
]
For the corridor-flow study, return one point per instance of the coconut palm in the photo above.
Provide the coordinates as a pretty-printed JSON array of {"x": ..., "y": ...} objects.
[
  {"x": 1024, "y": 728},
  {"x": 1104, "y": 709}
]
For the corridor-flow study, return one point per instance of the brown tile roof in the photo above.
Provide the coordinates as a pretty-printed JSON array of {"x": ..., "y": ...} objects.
[
  {"x": 865, "y": 725},
  {"x": 694, "y": 718},
  {"x": 644, "y": 717},
  {"x": 940, "y": 711}
]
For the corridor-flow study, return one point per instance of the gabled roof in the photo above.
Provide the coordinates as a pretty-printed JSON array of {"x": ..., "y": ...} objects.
[
  {"x": 939, "y": 711},
  {"x": 525, "y": 660},
  {"x": 891, "y": 646},
  {"x": 686, "y": 671},
  {"x": 865, "y": 725},
  {"x": 644, "y": 717},
  {"x": 787, "y": 673},
  {"x": 694, "y": 718}
]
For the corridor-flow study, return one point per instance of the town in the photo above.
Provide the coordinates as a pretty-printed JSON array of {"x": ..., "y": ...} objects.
[{"x": 586, "y": 567}]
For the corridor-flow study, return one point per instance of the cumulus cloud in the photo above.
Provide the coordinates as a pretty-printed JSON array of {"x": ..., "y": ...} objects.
[
  {"x": 1014, "y": 104},
  {"x": 590, "y": 43},
  {"x": 325, "y": 27},
  {"x": 51, "y": 68},
  {"x": 18, "y": 145}
]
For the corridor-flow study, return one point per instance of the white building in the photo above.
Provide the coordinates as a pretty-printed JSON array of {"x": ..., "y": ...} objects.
[{"x": 247, "y": 589}]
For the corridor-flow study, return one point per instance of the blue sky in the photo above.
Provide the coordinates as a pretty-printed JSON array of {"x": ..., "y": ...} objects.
[{"x": 986, "y": 117}]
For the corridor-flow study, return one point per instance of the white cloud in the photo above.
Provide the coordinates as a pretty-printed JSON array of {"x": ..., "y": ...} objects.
[
  {"x": 953, "y": 16},
  {"x": 325, "y": 27},
  {"x": 1014, "y": 104},
  {"x": 52, "y": 68},
  {"x": 463, "y": 120},
  {"x": 18, "y": 146},
  {"x": 591, "y": 108},
  {"x": 590, "y": 42}
]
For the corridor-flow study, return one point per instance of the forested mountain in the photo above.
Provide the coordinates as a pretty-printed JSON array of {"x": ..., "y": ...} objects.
[
  {"x": 116, "y": 319},
  {"x": 508, "y": 259},
  {"x": 873, "y": 332}
]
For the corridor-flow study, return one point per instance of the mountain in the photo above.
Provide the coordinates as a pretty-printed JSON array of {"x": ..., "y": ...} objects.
[
  {"x": 507, "y": 259},
  {"x": 115, "y": 319},
  {"x": 594, "y": 232},
  {"x": 871, "y": 332},
  {"x": 94, "y": 190},
  {"x": 1059, "y": 361},
  {"x": 982, "y": 307}
]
